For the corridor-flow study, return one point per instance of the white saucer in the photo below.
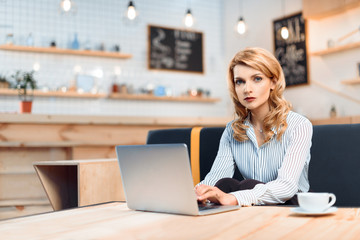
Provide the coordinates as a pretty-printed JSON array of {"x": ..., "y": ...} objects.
[{"x": 299, "y": 210}]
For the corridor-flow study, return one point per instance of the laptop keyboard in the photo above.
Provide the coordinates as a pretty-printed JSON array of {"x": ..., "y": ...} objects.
[{"x": 208, "y": 206}]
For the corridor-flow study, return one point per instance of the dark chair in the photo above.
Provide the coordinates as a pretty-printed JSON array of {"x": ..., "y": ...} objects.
[
  {"x": 334, "y": 165},
  {"x": 335, "y": 162},
  {"x": 163, "y": 136},
  {"x": 209, "y": 149}
]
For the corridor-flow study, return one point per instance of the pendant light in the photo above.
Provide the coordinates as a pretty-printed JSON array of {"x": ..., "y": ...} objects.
[
  {"x": 284, "y": 32},
  {"x": 189, "y": 18},
  {"x": 131, "y": 11},
  {"x": 241, "y": 25},
  {"x": 67, "y": 6}
]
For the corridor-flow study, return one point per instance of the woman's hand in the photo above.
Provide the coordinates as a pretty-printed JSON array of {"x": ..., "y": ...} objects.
[{"x": 215, "y": 195}]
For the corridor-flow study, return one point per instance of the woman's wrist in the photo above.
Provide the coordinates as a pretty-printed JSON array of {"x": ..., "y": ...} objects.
[{"x": 229, "y": 199}]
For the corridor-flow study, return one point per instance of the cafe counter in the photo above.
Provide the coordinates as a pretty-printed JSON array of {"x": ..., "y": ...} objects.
[{"x": 28, "y": 138}]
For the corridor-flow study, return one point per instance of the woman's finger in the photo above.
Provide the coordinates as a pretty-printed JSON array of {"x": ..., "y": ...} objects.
[
  {"x": 202, "y": 189},
  {"x": 211, "y": 194}
]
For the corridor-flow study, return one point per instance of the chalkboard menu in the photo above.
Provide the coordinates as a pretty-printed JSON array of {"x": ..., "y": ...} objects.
[
  {"x": 175, "y": 49},
  {"x": 291, "y": 52}
]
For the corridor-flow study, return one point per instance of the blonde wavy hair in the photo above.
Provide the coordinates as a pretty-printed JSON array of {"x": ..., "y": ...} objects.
[{"x": 265, "y": 62}]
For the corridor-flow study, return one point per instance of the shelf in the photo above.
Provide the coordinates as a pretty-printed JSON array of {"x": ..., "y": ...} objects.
[
  {"x": 351, "y": 81},
  {"x": 165, "y": 98},
  {"x": 142, "y": 97},
  {"x": 336, "y": 49},
  {"x": 321, "y": 9},
  {"x": 55, "y": 50},
  {"x": 39, "y": 93}
]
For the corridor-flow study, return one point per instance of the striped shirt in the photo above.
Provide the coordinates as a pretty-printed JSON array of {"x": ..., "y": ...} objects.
[{"x": 282, "y": 165}]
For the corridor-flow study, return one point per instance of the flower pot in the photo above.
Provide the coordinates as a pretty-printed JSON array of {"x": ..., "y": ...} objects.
[
  {"x": 25, "y": 106},
  {"x": 4, "y": 85}
]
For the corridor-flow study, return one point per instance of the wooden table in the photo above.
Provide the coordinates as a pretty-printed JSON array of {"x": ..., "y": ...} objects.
[{"x": 115, "y": 221}]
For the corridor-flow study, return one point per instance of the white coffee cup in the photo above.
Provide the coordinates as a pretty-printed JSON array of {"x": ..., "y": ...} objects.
[{"x": 316, "y": 202}]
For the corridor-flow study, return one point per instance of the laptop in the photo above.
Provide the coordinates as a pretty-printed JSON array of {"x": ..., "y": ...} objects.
[{"x": 157, "y": 178}]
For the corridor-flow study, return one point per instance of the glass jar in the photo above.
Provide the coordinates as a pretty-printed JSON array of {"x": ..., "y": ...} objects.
[{"x": 9, "y": 39}]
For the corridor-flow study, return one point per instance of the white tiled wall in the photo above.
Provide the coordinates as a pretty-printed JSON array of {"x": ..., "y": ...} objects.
[{"x": 102, "y": 21}]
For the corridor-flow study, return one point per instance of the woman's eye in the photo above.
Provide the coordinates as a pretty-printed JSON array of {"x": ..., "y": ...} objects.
[
  {"x": 238, "y": 82},
  {"x": 258, "y": 79}
]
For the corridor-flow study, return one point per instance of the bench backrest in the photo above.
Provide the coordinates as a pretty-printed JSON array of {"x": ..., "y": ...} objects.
[{"x": 335, "y": 162}]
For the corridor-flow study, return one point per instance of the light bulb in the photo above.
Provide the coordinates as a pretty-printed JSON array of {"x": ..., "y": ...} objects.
[
  {"x": 284, "y": 33},
  {"x": 77, "y": 69},
  {"x": 98, "y": 73},
  {"x": 131, "y": 11},
  {"x": 189, "y": 20},
  {"x": 117, "y": 70},
  {"x": 36, "y": 66},
  {"x": 241, "y": 26},
  {"x": 65, "y": 5}
]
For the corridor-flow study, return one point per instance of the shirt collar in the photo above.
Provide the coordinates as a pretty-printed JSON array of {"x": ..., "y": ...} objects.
[{"x": 248, "y": 123}]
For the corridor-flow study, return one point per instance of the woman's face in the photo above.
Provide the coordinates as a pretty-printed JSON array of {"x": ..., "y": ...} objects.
[{"x": 252, "y": 88}]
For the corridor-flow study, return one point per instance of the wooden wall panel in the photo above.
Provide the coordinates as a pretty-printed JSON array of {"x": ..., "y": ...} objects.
[
  {"x": 93, "y": 152},
  {"x": 19, "y": 160},
  {"x": 356, "y": 119},
  {"x": 324, "y": 8},
  {"x": 18, "y": 180},
  {"x": 337, "y": 120},
  {"x": 21, "y": 186},
  {"x": 72, "y": 135}
]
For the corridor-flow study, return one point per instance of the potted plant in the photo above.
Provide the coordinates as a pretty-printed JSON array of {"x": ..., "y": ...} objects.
[
  {"x": 3, "y": 82},
  {"x": 25, "y": 84}
]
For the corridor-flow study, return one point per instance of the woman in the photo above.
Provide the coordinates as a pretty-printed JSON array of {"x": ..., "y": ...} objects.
[{"x": 268, "y": 143}]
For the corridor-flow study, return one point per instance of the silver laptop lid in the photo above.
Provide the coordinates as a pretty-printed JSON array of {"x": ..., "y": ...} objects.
[{"x": 157, "y": 177}]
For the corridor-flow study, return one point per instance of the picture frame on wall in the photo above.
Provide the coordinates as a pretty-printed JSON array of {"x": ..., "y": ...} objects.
[
  {"x": 173, "y": 49},
  {"x": 292, "y": 52}
]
